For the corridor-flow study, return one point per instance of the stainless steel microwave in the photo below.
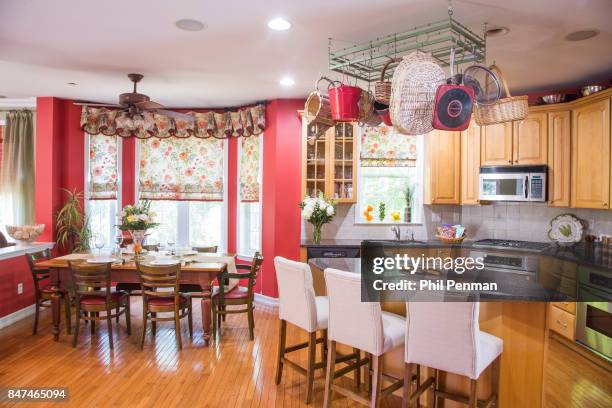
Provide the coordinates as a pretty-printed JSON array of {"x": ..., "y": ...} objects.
[{"x": 512, "y": 183}]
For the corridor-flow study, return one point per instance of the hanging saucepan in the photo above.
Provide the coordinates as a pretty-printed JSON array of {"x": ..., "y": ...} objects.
[
  {"x": 344, "y": 101},
  {"x": 453, "y": 103}
]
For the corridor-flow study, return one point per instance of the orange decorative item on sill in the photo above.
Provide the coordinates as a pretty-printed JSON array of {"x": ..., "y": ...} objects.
[{"x": 367, "y": 213}]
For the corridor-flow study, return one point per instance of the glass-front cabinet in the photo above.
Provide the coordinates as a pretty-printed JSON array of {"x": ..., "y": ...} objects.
[{"x": 329, "y": 161}]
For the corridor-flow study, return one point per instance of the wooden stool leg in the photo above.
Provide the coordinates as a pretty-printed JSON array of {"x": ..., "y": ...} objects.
[
  {"x": 117, "y": 313},
  {"x": 376, "y": 381},
  {"x": 144, "y": 325},
  {"x": 357, "y": 373},
  {"x": 109, "y": 321},
  {"x": 329, "y": 375},
  {"x": 324, "y": 345},
  {"x": 153, "y": 324},
  {"x": 407, "y": 391},
  {"x": 36, "y": 312},
  {"x": 67, "y": 312},
  {"x": 368, "y": 373},
  {"x": 495, "y": 379},
  {"x": 190, "y": 320},
  {"x": 310, "y": 370},
  {"x": 282, "y": 337},
  {"x": 418, "y": 384},
  {"x": 436, "y": 388},
  {"x": 251, "y": 323},
  {"x": 92, "y": 323},
  {"x": 473, "y": 402}
]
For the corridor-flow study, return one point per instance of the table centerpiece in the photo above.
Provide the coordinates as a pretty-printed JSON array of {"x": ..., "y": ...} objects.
[{"x": 137, "y": 219}]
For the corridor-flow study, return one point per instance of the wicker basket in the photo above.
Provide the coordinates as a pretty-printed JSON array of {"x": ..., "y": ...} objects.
[
  {"x": 451, "y": 240},
  {"x": 506, "y": 109},
  {"x": 366, "y": 105},
  {"x": 317, "y": 108},
  {"x": 382, "y": 88},
  {"x": 413, "y": 90}
]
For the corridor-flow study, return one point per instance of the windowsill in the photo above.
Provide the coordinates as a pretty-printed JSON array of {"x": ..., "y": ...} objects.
[{"x": 391, "y": 223}]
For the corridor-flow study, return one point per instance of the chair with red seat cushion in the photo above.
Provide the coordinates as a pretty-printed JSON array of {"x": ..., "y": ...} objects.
[
  {"x": 93, "y": 295},
  {"x": 160, "y": 294},
  {"x": 238, "y": 296},
  {"x": 44, "y": 291}
]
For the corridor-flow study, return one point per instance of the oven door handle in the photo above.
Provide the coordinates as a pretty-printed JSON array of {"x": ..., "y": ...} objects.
[
  {"x": 594, "y": 303},
  {"x": 527, "y": 187}
]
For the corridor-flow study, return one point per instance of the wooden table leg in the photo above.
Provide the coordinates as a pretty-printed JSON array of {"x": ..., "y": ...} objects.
[
  {"x": 55, "y": 310},
  {"x": 206, "y": 311}
]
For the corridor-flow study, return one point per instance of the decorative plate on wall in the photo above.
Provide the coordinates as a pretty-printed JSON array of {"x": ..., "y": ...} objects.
[{"x": 566, "y": 229}]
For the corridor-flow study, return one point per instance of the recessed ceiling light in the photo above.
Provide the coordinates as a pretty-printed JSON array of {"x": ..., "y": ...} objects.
[
  {"x": 279, "y": 24},
  {"x": 188, "y": 24},
  {"x": 581, "y": 35},
  {"x": 71, "y": 83},
  {"x": 497, "y": 32},
  {"x": 287, "y": 81}
]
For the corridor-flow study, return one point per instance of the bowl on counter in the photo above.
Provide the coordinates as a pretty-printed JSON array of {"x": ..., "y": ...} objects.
[
  {"x": 590, "y": 89},
  {"x": 553, "y": 98},
  {"x": 25, "y": 233}
]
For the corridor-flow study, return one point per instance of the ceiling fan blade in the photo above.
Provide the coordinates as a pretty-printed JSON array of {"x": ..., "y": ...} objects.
[
  {"x": 149, "y": 105},
  {"x": 175, "y": 115},
  {"x": 96, "y": 104}
]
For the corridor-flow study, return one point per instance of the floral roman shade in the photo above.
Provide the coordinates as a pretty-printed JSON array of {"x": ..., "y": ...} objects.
[
  {"x": 381, "y": 146},
  {"x": 188, "y": 169},
  {"x": 249, "y": 169},
  {"x": 247, "y": 121},
  {"x": 102, "y": 167}
]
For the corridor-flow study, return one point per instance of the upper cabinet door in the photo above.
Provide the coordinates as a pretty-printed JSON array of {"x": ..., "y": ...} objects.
[
  {"x": 496, "y": 145},
  {"x": 530, "y": 141},
  {"x": 470, "y": 164},
  {"x": 559, "y": 158},
  {"x": 443, "y": 172},
  {"x": 590, "y": 187}
]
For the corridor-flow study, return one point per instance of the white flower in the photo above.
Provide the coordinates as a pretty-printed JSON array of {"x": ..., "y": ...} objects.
[
  {"x": 330, "y": 210},
  {"x": 143, "y": 217},
  {"x": 307, "y": 213}
]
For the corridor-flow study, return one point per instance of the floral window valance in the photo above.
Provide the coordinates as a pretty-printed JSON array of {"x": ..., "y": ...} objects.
[
  {"x": 102, "y": 167},
  {"x": 249, "y": 169},
  {"x": 181, "y": 169},
  {"x": 381, "y": 146},
  {"x": 243, "y": 122}
]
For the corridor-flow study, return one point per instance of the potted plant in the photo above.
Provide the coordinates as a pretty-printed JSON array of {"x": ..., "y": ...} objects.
[
  {"x": 73, "y": 229},
  {"x": 137, "y": 219},
  {"x": 317, "y": 211},
  {"x": 409, "y": 197}
]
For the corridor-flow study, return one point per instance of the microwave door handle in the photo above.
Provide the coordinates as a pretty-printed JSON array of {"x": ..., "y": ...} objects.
[{"x": 526, "y": 187}]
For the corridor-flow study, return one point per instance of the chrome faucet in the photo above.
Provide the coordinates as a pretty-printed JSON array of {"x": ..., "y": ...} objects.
[{"x": 397, "y": 232}]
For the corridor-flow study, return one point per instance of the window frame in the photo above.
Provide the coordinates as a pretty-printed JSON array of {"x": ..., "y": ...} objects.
[
  {"x": 417, "y": 208},
  {"x": 118, "y": 200},
  {"x": 240, "y": 254},
  {"x": 183, "y": 206}
]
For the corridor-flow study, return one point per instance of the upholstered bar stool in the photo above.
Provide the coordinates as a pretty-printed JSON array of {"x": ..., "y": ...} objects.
[
  {"x": 361, "y": 325},
  {"x": 446, "y": 336},
  {"x": 299, "y": 306}
]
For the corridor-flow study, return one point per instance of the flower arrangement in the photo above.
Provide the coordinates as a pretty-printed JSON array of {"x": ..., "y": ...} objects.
[
  {"x": 317, "y": 211},
  {"x": 138, "y": 217}
]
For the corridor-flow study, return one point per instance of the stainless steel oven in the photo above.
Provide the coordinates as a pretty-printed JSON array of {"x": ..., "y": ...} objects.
[
  {"x": 512, "y": 183},
  {"x": 594, "y": 315}
]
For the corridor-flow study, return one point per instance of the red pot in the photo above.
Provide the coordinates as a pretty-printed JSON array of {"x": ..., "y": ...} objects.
[{"x": 344, "y": 101}]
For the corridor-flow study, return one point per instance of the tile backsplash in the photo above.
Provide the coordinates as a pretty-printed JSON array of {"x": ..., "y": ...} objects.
[{"x": 502, "y": 220}]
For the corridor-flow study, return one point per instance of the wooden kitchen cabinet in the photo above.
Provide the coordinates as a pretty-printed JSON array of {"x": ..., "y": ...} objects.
[
  {"x": 496, "y": 145},
  {"x": 530, "y": 140},
  {"x": 443, "y": 167},
  {"x": 559, "y": 158},
  {"x": 329, "y": 163},
  {"x": 590, "y": 181},
  {"x": 470, "y": 164}
]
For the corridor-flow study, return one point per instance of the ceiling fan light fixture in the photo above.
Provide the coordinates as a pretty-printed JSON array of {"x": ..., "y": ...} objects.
[
  {"x": 71, "y": 83},
  {"x": 497, "y": 32},
  {"x": 188, "y": 24},
  {"x": 581, "y": 35},
  {"x": 279, "y": 24}
]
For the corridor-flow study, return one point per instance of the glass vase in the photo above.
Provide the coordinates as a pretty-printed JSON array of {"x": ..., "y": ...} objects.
[
  {"x": 316, "y": 234},
  {"x": 138, "y": 237}
]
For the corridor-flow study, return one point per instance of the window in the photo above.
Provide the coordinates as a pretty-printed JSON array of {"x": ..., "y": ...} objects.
[
  {"x": 388, "y": 165},
  {"x": 185, "y": 179},
  {"x": 249, "y": 195},
  {"x": 103, "y": 185}
]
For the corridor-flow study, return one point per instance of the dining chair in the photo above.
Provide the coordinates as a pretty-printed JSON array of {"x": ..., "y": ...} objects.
[
  {"x": 446, "y": 336},
  {"x": 93, "y": 295},
  {"x": 237, "y": 296},
  {"x": 194, "y": 290},
  {"x": 206, "y": 249},
  {"x": 43, "y": 291},
  {"x": 161, "y": 294},
  {"x": 361, "y": 325},
  {"x": 151, "y": 247}
]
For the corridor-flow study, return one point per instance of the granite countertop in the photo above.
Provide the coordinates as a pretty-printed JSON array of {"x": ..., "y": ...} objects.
[{"x": 20, "y": 249}]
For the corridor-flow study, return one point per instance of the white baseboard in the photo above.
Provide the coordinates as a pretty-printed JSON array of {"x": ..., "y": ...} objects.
[
  {"x": 266, "y": 300},
  {"x": 16, "y": 316}
]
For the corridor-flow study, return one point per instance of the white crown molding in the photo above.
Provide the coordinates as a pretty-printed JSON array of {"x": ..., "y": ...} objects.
[
  {"x": 16, "y": 316},
  {"x": 18, "y": 103}
]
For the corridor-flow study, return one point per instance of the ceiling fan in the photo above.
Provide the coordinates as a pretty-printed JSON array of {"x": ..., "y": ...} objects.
[{"x": 135, "y": 103}]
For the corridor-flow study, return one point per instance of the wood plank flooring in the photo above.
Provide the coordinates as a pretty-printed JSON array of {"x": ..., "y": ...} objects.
[{"x": 233, "y": 372}]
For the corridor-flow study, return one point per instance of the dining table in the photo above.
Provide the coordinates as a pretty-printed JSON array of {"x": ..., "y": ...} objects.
[{"x": 201, "y": 269}]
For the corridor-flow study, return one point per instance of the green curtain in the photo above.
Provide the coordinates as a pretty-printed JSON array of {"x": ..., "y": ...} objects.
[{"x": 17, "y": 173}]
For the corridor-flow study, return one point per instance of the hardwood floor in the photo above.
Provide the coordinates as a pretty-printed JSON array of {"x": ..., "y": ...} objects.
[{"x": 231, "y": 373}]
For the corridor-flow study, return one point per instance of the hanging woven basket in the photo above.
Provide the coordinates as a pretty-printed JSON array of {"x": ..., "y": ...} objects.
[
  {"x": 382, "y": 88},
  {"x": 317, "y": 108},
  {"x": 413, "y": 90},
  {"x": 506, "y": 109}
]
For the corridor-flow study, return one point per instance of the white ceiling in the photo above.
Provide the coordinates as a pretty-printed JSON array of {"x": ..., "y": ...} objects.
[{"x": 45, "y": 44}]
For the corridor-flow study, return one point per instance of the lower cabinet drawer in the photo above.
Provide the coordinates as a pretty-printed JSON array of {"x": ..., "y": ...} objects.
[
  {"x": 562, "y": 322},
  {"x": 569, "y": 307}
]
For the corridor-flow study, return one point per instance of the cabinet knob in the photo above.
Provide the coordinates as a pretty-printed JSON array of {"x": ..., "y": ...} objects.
[
  {"x": 605, "y": 204},
  {"x": 510, "y": 161}
]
